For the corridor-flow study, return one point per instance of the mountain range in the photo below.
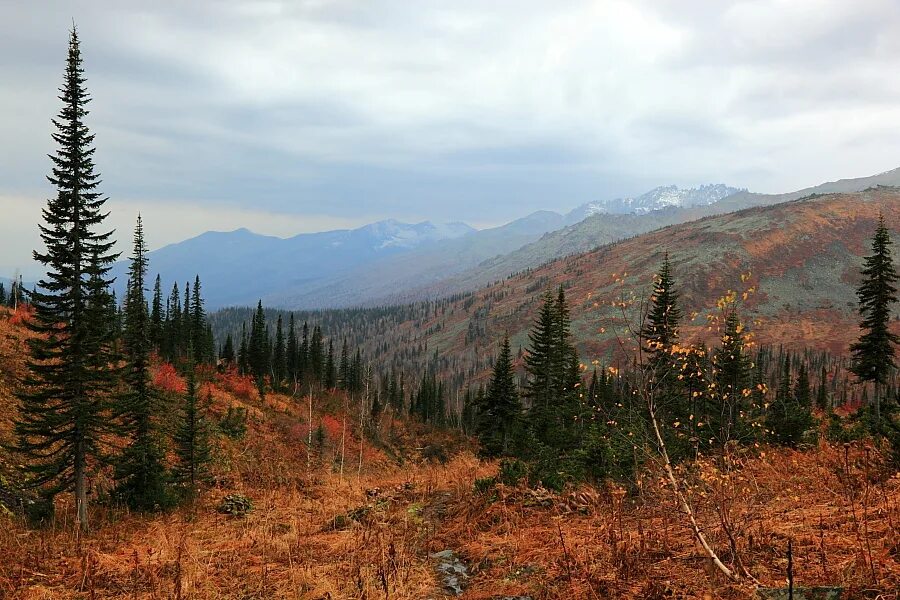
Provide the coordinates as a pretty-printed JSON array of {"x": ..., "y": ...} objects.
[
  {"x": 798, "y": 261},
  {"x": 389, "y": 261}
]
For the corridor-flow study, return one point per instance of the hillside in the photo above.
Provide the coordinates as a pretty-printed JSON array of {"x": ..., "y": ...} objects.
[
  {"x": 601, "y": 229},
  {"x": 802, "y": 257},
  {"x": 388, "y": 529}
]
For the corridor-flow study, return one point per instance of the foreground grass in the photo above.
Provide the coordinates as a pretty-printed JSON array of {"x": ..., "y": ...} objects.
[{"x": 838, "y": 507}]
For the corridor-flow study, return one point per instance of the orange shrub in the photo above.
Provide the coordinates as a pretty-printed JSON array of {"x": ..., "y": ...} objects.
[
  {"x": 241, "y": 386},
  {"x": 22, "y": 315},
  {"x": 167, "y": 378}
]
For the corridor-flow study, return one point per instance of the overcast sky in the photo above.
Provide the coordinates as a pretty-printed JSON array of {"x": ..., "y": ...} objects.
[{"x": 314, "y": 114}]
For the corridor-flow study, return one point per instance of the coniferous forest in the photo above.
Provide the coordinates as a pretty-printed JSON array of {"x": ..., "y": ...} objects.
[{"x": 156, "y": 448}]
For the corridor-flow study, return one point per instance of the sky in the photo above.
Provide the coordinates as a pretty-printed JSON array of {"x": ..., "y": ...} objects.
[{"x": 305, "y": 115}]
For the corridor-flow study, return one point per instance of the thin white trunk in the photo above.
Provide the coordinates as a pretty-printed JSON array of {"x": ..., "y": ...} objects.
[{"x": 685, "y": 505}]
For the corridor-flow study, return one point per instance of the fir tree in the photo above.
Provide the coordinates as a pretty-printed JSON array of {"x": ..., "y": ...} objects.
[
  {"x": 316, "y": 356},
  {"x": 292, "y": 352},
  {"x": 243, "y": 356},
  {"x": 227, "y": 354},
  {"x": 173, "y": 324},
  {"x": 140, "y": 469},
  {"x": 873, "y": 354},
  {"x": 202, "y": 346},
  {"x": 330, "y": 368},
  {"x": 279, "y": 355},
  {"x": 2, "y": 294},
  {"x": 156, "y": 316},
  {"x": 732, "y": 369},
  {"x": 63, "y": 399},
  {"x": 499, "y": 414},
  {"x": 802, "y": 390},
  {"x": 822, "y": 394},
  {"x": 192, "y": 445},
  {"x": 540, "y": 359},
  {"x": 344, "y": 367},
  {"x": 660, "y": 331},
  {"x": 258, "y": 349}
]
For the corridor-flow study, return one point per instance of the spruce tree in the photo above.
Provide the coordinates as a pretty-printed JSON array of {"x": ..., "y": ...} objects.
[
  {"x": 344, "y": 367},
  {"x": 192, "y": 444},
  {"x": 499, "y": 413},
  {"x": 2, "y": 294},
  {"x": 140, "y": 470},
  {"x": 330, "y": 368},
  {"x": 258, "y": 349},
  {"x": 227, "y": 355},
  {"x": 202, "y": 347},
  {"x": 540, "y": 359},
  {"x": 873, "y": 354},
  {"x": 279, "y": 355},
  {"x": 173, "y": 324},
  {"x": 316, "y": 356},
  {"x": 64, "y": 397},
  {"x": 660, "y": 331},
  {"x": 292, "y": 352},
  {"x": 156, "y": 316},
  {"x": 822, "y": 394},
  {"x": 732, "y": 371}
]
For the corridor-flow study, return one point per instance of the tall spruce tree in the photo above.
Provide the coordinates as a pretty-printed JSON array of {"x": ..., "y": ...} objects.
[
  {"x": 729, "y": 420},
  {"x": 64, "y": 397},
  {"x": 292, "y": 352},
  {"x": 140, "y": 470},
  {"x": 330, "y": 368},
  {"x": 873, "y": 354},
  {"x": 279, "y": 354},
  {"x": 540, "y": 360},
  {"x": 228, "y": 355},
  {"x": 200, "y": 340},
  {"x": 258, "y": 349},
  {"x": 660, "y": 331},
  {"x": 192, "y": 444},
  {"x": 156, "y": 316},
  {"x": 498, "y": 416}
]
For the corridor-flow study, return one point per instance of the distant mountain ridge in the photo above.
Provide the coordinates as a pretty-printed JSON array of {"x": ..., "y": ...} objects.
[
  {"x": 236, "y": 267},
  {"x": 390, "y": 261},
  {"x": 656, "y": 199}
]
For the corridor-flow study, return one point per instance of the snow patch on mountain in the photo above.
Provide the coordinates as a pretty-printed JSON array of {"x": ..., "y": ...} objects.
[
  {"x": 660, "y": 198},
  {"x": 391, "y": 233}
]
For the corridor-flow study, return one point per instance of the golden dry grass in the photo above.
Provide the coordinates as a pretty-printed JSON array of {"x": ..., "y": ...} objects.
[{"x": 838, "y": 505}]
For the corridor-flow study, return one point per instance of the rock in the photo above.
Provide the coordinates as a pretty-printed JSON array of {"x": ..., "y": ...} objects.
[
  {"x": 454, "y": 572},
  {"x": 800, "y": 593}
]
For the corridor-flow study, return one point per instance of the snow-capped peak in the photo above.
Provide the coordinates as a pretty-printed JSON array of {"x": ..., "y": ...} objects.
[{"x": 656, "y": 199}]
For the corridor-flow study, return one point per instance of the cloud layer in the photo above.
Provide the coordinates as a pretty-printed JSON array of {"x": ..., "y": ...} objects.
[{"x": 471, "y": 110}]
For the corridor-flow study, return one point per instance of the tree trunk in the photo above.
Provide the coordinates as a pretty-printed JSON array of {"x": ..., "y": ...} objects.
[
  {"x": 81, "y": 511},
  {"x": 685, "y": 505}
]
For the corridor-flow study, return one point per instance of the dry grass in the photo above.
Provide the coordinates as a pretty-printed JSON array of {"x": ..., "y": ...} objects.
[
  {"x": 840, "y": 508},
  {"x": 587, "y": 544}
]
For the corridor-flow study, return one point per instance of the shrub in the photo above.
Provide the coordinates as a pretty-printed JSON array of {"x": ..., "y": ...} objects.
[
  {"x": 236, "y": 505},
  {"x": 512, "y": 471},
  {"x": 435, "y": 453},
  {"x": 234, "y": 423},
  {"x": 484, "y": 485}
]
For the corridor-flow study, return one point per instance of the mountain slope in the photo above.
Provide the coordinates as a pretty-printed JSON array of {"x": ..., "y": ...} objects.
[
  {"x": 601, "y": 229},
  {"x": 427, "y": 265},
  {"x": 238, "y": 267},
  {"x": 391, "y": 262},
  {"x": 660, "y": 198},
  {"x": 802, "y": 257}
]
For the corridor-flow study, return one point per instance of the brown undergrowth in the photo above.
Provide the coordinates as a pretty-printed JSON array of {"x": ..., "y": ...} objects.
[{"x": 318, "y": 533}]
